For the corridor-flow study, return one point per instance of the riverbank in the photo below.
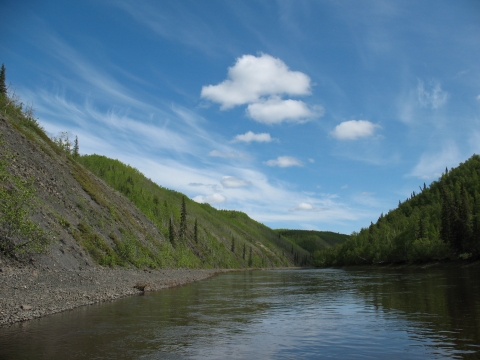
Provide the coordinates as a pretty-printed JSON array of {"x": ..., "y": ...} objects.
[{"x": 32, "y": 292}]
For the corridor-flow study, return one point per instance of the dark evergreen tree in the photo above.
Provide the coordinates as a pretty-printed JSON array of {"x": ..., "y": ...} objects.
[
  {"x": 232, "y": 248},
  {"x": 76, "y": 148},
  {"x": 244, "y": 251},
  {"x": 183, "y": 220},
  {"x": 171, "y": 233},
  {"x": 3, "y": 86},
  {"x": 195, "y": 232},
  {"x": 250, "y": 257}
]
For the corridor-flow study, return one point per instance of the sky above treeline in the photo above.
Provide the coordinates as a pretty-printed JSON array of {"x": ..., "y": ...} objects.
[{"x": 303, "y": 114}]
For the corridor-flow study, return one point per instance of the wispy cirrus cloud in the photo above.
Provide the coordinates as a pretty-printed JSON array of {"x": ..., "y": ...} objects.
[
  {"x": 284, "y": 161},
  {"x": 432, "y": 96},
  {"x": 431, "y": 165},
  {"x": 227, "y": 154}
]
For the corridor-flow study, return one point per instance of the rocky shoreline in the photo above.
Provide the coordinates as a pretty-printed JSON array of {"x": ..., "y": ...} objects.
[{"x": 32, "y": 292}]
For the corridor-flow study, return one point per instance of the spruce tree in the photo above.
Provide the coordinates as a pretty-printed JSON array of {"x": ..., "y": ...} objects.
[
  {"x": 76, "y": 148},
  {"x": 195, "y": 232},
  {"x": 250, "y": 259},
  {"x": 3, "y": 86},
  {"x": 183, "y": 220},
  {"x": 244, "y": 251},
  {"x": 233, "y": 245}
]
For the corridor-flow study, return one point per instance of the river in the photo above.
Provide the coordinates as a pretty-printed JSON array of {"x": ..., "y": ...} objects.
[{"x": 379, "y": 313}]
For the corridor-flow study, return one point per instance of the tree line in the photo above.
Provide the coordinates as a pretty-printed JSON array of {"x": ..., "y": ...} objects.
[{"x": 440, "y": 222}]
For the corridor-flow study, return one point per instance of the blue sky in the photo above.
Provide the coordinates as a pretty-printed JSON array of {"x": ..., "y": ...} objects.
[{"x": 303, "y": 114}]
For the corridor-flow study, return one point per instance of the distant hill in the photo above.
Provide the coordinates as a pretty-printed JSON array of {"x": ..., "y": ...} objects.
[
  {"x": 312, "y": 240},
  {"x": 60, "y": 209},
  {"x": 440, "y": 222}
]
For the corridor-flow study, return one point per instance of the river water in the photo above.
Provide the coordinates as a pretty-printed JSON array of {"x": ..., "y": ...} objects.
[{"x": 284, "y": 314}]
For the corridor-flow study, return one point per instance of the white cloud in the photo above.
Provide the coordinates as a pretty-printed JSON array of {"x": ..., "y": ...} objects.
[
  {"x": 303, "y": 206},
  {"x": 253, "y": 77},
  {"x": 232, "y": 182},
  {"x": 433, "y": 98},
  {"x": 311, "y": 161},
  {"x": 478, "y": 97},
  {"x": 250, "y": 136},
  {"x": 354, "y": 129},
  {"x": 276, "y": 110},
  {"x": 215, "y": 198},
  {"x": 344, "y": 186},
  {"x": 432, "y": 166},
  {"x": 284, "y": 161}
]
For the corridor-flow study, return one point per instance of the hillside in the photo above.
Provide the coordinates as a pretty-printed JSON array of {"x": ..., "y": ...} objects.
[
  {"x": 82, "y": 211},
  {"x": 441, "y": 222},
  {"x": 312, "y": 240}
]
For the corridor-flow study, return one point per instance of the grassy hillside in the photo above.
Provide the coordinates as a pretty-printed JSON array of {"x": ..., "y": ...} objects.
[
  {"x": 311, "y": 240},
  {"x": 224, "y": 238},
  {"x": 440, "y": 222}
]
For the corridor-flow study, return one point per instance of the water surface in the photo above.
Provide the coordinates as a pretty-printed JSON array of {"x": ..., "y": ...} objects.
[{"x": 286, "y": 314}]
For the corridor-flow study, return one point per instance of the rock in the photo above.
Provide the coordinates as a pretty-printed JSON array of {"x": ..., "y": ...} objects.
[{"x": 26, "y": 307}]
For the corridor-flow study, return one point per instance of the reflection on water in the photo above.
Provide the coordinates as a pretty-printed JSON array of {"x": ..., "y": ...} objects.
[{"x": 331, "y": 314}]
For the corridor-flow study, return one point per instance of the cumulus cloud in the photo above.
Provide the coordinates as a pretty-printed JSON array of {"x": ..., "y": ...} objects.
[
  {"x": 250, "y": 136},
  {"x": 232, "y": 182},
  {"x": 354, "y": 129},
  {"x": 260, "y": 82},
  {"x": 215, "y": 198},
  {"x": 284, "y": 161},
  {"x": 432, "y": 98},
  {"x": 276, "y": 110},
  {"x": 253, "y": 77}
]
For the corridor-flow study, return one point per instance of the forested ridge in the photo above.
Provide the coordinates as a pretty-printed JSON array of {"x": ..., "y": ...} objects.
[
  {"x": 439, "y": 222},
  {"x": 312, "y": 240}
]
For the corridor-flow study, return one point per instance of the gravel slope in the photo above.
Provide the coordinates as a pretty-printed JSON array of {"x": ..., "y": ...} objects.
[{"x": 31, "y": 292}]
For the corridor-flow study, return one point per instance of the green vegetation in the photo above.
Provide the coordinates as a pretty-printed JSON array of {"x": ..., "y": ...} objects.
[
  {"x": 18, "y": 233},
  {"x": 312, "y": 240},
  {"x": 200, "y": 235},
  {"x": 441, "y": 222}
]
